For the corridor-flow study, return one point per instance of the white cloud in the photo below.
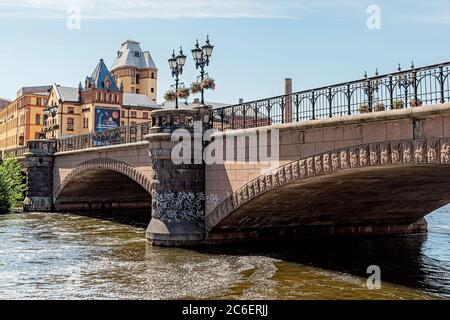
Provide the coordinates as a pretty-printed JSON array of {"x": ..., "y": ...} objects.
[{"x": 123, "y": 9}]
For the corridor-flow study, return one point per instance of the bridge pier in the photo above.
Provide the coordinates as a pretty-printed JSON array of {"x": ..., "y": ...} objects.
[
  {"x": 178, "y": 189},
  {"x": 39, "y": 165}
]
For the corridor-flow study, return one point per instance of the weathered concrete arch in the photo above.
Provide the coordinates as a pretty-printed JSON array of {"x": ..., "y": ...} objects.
[
  {"x": 413, "y": 158},
  {"x": 108, "y": 164}
]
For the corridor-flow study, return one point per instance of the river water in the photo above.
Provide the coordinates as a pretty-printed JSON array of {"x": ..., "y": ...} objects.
[{"x": 62, "y": 256}]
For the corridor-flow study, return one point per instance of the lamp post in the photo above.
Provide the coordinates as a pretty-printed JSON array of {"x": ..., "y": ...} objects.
[
  {"x": 176, "y": 64},
  {"x": 371, "y": 86},
  {"x": 201, "y": 57},
  {"x": 51, "y": 111}
]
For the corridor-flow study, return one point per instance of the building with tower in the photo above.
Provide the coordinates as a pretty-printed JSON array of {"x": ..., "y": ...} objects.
[{"x": 135, "y": 71}]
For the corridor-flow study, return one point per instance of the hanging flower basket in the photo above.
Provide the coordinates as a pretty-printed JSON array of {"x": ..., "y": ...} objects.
[
  {"x": 208, "y": 84},
  {"x": 379, "y": 107},
  {"x": 415, "y": 103},
  {"x": 398, "y": 104},
  {"x": 183, "y": 93},
  {"x": 364, "y": 108},
  {"x": 170, "y": 95},
  {"x": 196, "y": 87}
]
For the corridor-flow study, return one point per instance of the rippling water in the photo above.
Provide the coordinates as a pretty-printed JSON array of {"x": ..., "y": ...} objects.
[{"x": 59, "y": 256}]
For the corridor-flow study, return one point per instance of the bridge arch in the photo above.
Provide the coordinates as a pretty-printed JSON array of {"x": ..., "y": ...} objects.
[
  {"x": 109, "y": 172},
  {"x": 407, "y": 167}
]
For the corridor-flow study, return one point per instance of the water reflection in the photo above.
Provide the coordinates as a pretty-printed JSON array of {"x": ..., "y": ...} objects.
[{"x": 69, "y": 256}]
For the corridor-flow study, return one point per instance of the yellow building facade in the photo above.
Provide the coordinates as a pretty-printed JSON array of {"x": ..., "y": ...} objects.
[
  {"x": 108, "y": 99},
  {"x": 22, "y": 119}
]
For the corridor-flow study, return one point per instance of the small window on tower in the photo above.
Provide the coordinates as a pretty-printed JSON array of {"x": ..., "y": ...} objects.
[{"x": 136, "y": 54}]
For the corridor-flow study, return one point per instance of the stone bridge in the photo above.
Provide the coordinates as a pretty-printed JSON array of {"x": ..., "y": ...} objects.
[{"x": 374, "y": 173}]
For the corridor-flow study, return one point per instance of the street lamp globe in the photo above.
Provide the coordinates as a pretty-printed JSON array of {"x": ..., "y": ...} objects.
[
  {"x": 181, "y": 58},
  {"x": 197, "y": 52},
  {"x": 54, "y": 109},
  {"x": 207, "y": 48},
  {"x": 173, "y": 62}
]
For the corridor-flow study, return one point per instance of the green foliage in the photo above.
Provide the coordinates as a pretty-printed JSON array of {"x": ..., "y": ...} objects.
[
  {"x": 4, "y": 203},
  {"x": 12, "y": 184}
]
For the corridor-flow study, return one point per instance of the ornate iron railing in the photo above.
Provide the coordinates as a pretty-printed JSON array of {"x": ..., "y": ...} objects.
[
  {"x": 16, "y": 152},
  {"x": 127, "y": 134},
  {"x": 402, "y": 89}
]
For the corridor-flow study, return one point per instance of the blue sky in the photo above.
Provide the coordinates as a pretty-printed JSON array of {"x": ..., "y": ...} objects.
[{"x": 257, "y": 43}]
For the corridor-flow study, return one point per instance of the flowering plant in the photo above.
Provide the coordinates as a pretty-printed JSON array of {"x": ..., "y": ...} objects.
[
  {"x": 183, "y": 93},
  {"x": 196, "y": 87},
  {"x": 170, "y": 95},
  {"x": 208, "y": 84}
]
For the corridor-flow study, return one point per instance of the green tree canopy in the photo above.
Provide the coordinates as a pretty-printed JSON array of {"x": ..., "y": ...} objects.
[{"x": 12, "y": 185}]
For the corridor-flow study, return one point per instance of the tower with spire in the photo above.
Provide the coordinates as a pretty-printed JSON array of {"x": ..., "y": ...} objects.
[{"x": 135, "y": 70}]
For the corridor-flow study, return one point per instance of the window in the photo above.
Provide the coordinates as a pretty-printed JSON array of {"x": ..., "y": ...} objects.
[
  {"x": 133, "y": 73},
  {"x": 152, "y": 90},
  {"x": 38, "y": 101},
  {"x": 132, "y": 80},
  {"x": 85, "y": 123},
  {"x": 123, "y": 113},
  {"x": 132, "y": 90},
  {"x": 38, "y": 119},
  {"x": 152, "y": 75},
  {"x": 138, "y": 77},
  {"x": 145, "y": 115},
  {"x": 136, "y": 54},
  {"x": 122, "y": 123},
  {"x": 133, "y": 123},
  {"x": 70, "y": 124},
  {"x": 133, "y": 114},
  {"x": 70, "y": 110},
  {"x": 138, "y": 91}
]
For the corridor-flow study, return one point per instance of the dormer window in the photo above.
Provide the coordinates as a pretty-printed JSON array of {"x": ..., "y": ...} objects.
[
  {"x": 136, "y": 54},
  {"x": 119, "y": 54}
]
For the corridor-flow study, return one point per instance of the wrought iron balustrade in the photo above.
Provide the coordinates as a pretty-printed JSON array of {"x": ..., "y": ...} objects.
[
  {"x": 16, "y": 152},
  {"x": 398, "y": 90},
  {"x": 127, "y": 134}
]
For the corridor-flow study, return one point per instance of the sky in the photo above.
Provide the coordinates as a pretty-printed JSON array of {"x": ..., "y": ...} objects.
[{"x": 258, "y": 43}]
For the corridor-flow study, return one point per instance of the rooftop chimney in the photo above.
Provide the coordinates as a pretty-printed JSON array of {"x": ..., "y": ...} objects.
[
  {"x": 288, "y": 101},
  {"x": 241, "y": 100}
]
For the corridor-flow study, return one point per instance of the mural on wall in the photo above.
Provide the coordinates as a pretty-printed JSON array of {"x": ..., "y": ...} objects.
[{"x": 106, "y": 119}]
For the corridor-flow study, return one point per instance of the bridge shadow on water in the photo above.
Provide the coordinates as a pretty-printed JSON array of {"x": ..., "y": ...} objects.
[
  {"x": 139, "y": 218},
  {"x": 401, "y": 258}
]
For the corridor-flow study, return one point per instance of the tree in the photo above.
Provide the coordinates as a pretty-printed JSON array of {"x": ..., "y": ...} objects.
[
  {"x": 4, "y": 202},
  {"x": 12, "y": 181}
]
